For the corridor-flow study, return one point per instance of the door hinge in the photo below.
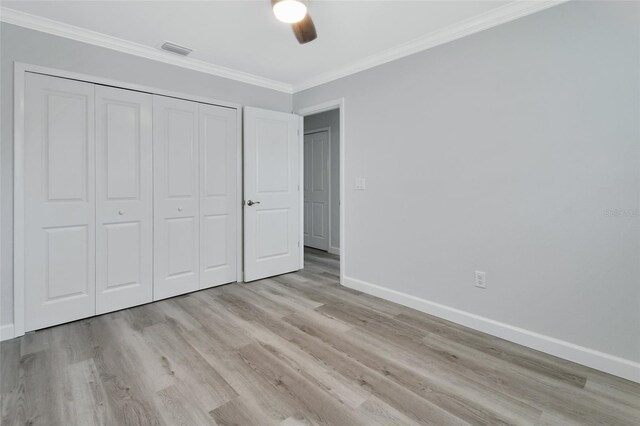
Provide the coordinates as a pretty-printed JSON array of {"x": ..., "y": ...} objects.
[{"x": 298, "y": 243}]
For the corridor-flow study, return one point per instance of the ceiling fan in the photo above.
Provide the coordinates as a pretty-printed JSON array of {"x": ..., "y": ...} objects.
[{"x": 294, "y": 12}]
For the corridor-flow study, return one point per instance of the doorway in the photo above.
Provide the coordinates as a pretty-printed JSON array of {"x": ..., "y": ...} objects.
[
  {"x": 321, "y": 185},
  {"x": 274, "y": 181}
]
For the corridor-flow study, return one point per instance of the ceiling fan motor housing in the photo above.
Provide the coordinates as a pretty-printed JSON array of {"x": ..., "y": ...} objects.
[{"x": 305, "y": 29}]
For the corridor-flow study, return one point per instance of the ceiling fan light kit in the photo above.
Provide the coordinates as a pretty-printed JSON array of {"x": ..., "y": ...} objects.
[
  {"x": 294, "y": 12},
  {"x": 289, "y": 11}
]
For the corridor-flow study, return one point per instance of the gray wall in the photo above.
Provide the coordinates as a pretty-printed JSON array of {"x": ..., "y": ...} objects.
[
  {"x": 33, "y": 47},
  {"x": 503, "y": 152},
  {"x": 318, "y": 121}
]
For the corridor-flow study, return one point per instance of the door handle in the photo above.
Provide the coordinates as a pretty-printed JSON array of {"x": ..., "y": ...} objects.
[{"x": 250, "y": 203}]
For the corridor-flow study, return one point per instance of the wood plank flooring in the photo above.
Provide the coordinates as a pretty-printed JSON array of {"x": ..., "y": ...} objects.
[{"x": 291, "y": 350}]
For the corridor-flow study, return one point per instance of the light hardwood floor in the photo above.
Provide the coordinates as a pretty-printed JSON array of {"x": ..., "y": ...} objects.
[{"x": 294, "y": 349}]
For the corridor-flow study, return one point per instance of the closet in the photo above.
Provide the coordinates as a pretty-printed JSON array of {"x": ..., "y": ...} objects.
[{"x": 129, "y": 197}]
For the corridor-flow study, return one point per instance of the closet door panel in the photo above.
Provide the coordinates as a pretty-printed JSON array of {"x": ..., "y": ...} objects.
[
  {"x": 176, "y": 197},
  {"x": 124, "y": 190},
  {"x": 59, "y": 201},
  {"x": 218, "y": 192}
]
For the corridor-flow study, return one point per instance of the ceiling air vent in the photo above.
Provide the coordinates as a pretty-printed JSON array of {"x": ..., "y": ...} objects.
[{"x": 177, "y": 49}]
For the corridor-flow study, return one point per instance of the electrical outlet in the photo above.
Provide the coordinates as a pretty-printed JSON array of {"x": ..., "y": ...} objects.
[{"x": 481, "y": 281}]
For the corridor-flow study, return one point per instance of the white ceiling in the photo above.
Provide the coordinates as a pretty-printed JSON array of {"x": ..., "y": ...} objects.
[{"x": 245, "y": 36}]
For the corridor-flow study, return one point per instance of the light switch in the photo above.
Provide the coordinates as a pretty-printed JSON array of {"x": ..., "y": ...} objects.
[{"x": 361, "y": 184}]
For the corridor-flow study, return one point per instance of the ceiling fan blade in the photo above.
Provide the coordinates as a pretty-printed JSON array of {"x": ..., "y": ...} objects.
[{"x": 305, "y": 30}]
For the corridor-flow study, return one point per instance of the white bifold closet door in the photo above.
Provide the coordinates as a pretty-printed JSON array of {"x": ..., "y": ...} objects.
[
  {"x": 195, "y": 190},
  {"x": 128, "y": 198},
  {"x": 176, "y": 188},
  {"x": 124, "y": 199},
  {"x": 218, "y": 195},
  {"x": 59, "y": 190}
]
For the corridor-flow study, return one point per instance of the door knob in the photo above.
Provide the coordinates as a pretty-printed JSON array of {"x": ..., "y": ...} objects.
[
  {"x": 121, "y": 212},
  {"x": 250, "y": 203},
  {"x": 179, "y": 209}
]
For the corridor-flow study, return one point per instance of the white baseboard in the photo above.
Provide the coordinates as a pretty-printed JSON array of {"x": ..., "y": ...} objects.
[
  {"x": 6, "y": 332},
  {"x": 334, "y": 250},
  {"x": 611, "y": 364}
]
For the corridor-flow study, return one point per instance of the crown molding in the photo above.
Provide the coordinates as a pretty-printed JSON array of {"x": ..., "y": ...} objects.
[
  {"x": 489, "y": 19},
  {"x": 27, "y": 20}
]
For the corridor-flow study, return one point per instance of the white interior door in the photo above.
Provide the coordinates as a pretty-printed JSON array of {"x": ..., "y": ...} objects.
[
  {"x": 272, "y": 193},
  {"x": 176, "y": 197},
  {"x": 59, "y": 201},
  {"x": 316, "y": 190},
  {"x": 218, "y": 195},
  {"x": 124, "y": 199}
]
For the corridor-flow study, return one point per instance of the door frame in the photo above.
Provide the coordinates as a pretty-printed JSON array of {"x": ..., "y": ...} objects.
[
  {"x": 19, "y": 73},
  {"x": 338, "y": 104},
  {"x": 327, "y": 129}
]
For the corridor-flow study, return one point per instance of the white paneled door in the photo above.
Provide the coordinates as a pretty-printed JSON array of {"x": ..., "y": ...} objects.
[
  {"x": 59, "y": 201},
  {"x": 176, "y": 197},
  {"x": 316, "y": 190},
  {"x": 124, "y": 199},
  {"x": 218, "y": 195},
  {"x": 271, "y": 193}
]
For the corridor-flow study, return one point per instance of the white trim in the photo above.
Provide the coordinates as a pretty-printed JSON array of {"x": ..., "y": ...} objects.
[
  {"x": 38, "y": 23},
  {"x": 301, "y": 188},
  {"x": 328, "y": 106},
  {"x": 23, "y": 67},
  {"x": 6, "y": 332},
  {"x": 240, "y": 199},
  {"x": 492, "y": 18},
  {"x": 589, "y": 357},
  {"x": 500, "y": 15},
  {"x": 20, "y": 69},
  {"x": 328, "y": 166}
]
